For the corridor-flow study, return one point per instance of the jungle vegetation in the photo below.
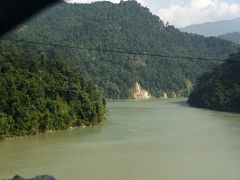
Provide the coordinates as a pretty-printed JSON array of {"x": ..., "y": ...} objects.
[
  {"x": 219, "y": 89},
  {"x": 39, "y": 95}
]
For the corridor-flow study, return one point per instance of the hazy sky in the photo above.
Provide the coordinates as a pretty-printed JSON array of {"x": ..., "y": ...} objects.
[{"x": 185, "y": 12}]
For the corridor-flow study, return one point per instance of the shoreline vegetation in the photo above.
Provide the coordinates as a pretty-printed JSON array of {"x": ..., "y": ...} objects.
[
  {"x": 219, "y": 89},
  {"x": 2, "y": 138},
  {"x": 38, "y": 95}
]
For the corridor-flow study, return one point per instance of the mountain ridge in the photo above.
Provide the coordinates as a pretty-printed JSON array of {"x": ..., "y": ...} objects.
[
  {"x": 215, "y": 28},
  {"x": 126, "y": 26}
]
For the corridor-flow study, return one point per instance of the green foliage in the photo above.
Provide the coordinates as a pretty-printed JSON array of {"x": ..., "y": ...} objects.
[
  {"x": 38, "y": 95},
  {"x": 220, "y": 88},
  {"x": 125, "y": 26}
]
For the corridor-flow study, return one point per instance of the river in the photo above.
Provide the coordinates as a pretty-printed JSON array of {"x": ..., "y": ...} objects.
[{"x": 140, "y": 140}]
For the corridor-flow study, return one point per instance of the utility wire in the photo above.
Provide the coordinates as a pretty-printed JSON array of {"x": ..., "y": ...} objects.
[{"x": 118, "y": 51}]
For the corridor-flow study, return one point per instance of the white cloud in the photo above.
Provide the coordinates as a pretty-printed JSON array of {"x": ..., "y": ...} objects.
[
  {"x": 182, "y": 13},
  {"x": 198, "y": 11}
]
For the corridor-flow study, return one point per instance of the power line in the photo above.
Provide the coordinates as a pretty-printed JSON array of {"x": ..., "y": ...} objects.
[{"x": 118, "y": 51}]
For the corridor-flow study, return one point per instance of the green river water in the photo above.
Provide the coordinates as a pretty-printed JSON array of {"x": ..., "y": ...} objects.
[{"x": 140, "y": 140}]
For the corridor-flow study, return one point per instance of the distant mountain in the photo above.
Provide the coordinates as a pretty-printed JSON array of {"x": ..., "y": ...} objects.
[
  {"x": 214, "y": 28},
  {"x": 234, "y": 37},
  {"x": 126, "y": 27}
]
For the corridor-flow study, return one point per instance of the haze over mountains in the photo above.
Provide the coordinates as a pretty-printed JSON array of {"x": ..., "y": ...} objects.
[
  {"x": 214, "y": 28},
  {"x": 234, "y": 37},
  {"x": 126, "y": 26}
]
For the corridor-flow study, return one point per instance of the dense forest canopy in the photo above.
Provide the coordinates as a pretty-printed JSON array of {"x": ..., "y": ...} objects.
[
  {"x": 125, "y": 26},
  {"x": 220, "y": 88},
  {"x": 38, "y": 95}
]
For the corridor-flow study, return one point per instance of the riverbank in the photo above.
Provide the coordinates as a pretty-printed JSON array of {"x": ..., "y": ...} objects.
[{"x": 52, "y": 132}]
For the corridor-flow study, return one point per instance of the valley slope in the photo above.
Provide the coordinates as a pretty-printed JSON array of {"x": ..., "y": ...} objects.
[
  {"x": 234, "y": 37},
  {"x": 129, "y": 27}
]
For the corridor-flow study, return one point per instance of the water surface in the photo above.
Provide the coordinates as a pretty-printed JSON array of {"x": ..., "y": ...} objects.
[{"x": 155, "y": 140}]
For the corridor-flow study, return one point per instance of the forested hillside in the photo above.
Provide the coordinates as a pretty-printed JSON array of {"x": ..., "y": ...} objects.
[
  {"x": 38, "y": 95},
  {"x": 126, "y": 26},
  {"x": 234, "y": 37},
  {"x": 220, "y": 88}
]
